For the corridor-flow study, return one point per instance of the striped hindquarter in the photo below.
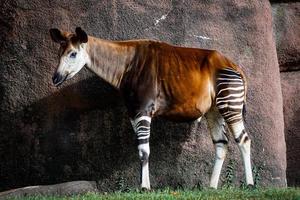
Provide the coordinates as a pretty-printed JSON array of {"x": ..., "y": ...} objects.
[{"x": 230, "y": 97}]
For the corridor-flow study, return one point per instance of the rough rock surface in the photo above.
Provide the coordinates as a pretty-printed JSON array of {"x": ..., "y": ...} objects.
[
  {"x": 286, "y": 19},
  {"x": 81, "y": 130},
  {"x": 62, "y": 189},
  {"x": 291, "y": 99}
]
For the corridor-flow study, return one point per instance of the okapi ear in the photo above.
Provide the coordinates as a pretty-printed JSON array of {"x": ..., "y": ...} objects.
[
  {"x": 81, "y": 35},
  {"x": 57, "y": 36}
]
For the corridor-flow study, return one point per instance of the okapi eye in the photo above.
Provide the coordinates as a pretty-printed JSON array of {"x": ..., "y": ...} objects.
[{"x": 73, "y": 55}]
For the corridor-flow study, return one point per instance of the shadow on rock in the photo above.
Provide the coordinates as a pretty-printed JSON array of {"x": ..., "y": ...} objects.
[{"x": 81, "y": 132}]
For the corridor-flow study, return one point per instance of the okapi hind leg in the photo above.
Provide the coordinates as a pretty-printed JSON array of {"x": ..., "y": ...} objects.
[
  {"x": 141, "y": 126},
  {"x": 216, "y": 125},
  {"x": 244, "y": 143},
  {"x": 230, "y": 102}
]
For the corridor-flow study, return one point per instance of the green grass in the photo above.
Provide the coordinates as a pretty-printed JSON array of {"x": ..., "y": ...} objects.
[{"x": 167, "y": 194}]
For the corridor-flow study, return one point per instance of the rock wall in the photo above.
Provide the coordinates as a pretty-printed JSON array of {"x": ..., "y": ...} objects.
[
  {"x": 81, "y": 130},
  {"x": 290, "y": 89},
  {"x": 286, "y": 17}
]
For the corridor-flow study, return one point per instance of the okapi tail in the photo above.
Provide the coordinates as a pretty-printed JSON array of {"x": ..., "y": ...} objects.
[{"x": 244, "y": 112}]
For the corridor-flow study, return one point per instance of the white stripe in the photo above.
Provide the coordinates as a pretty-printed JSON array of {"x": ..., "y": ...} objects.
[
  {"x": 144, "y": 137},
  {"x": 228, "y": 106},
  {"x": 230, "y": 88},
  {"x": 145, "y": 127},
  {"x": 143, "y": 132},
  {"x": 231, "y": 95},
  {"x": 230, "y": 79},
  {"x": 232, "y": 100},
  {"x": 226, "y": 114},
  {"x": 137, "y": 120},
  {"x": 230, "y": 70},
  {"x": 230, "y": 83},
  {"x": 230, "y": 75},
  {"x": 230, "y": 113},
  {"x": 235, "y": 117}
]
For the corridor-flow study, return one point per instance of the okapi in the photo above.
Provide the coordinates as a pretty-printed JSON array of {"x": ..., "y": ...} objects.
[{"x": 158, "y": 79}]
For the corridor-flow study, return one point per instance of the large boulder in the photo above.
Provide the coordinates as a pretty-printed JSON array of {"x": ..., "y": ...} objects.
[
  {"x": 291, "y": 99},
  {"x": 286, "y": 19},
  {"x": 62, "y": 189},
  {"x": 81, "y": 130}
]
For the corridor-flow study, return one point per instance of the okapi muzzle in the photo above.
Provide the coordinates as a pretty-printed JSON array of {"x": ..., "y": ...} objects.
[{"x": 58, "y": 79}]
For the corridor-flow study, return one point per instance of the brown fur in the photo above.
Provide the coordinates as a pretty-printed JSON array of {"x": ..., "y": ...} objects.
[
  {"x": 156, "y": 78},
  {"x": 175, "y": 82}
]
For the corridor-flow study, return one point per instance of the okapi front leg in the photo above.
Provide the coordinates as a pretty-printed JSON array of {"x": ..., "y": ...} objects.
[{"x": 141, "y": 126}]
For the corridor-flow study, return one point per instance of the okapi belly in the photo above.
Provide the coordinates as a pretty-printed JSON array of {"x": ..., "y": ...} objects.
[{"x": 181, "y": 114}]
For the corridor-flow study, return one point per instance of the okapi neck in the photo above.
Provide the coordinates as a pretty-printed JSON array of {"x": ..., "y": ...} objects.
[{"x": 109, "y": 59}]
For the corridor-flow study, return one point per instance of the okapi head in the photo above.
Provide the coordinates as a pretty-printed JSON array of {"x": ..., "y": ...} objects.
[{"x": 72, "y": 53}]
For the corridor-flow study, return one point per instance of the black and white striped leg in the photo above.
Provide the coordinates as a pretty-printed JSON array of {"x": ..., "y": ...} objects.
[
  {"x": 141, "y": 126},
  {"x": 244, "y": 143},
  {"x": 230, "y": 102},
  {"x": 216, "y": 125}
]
